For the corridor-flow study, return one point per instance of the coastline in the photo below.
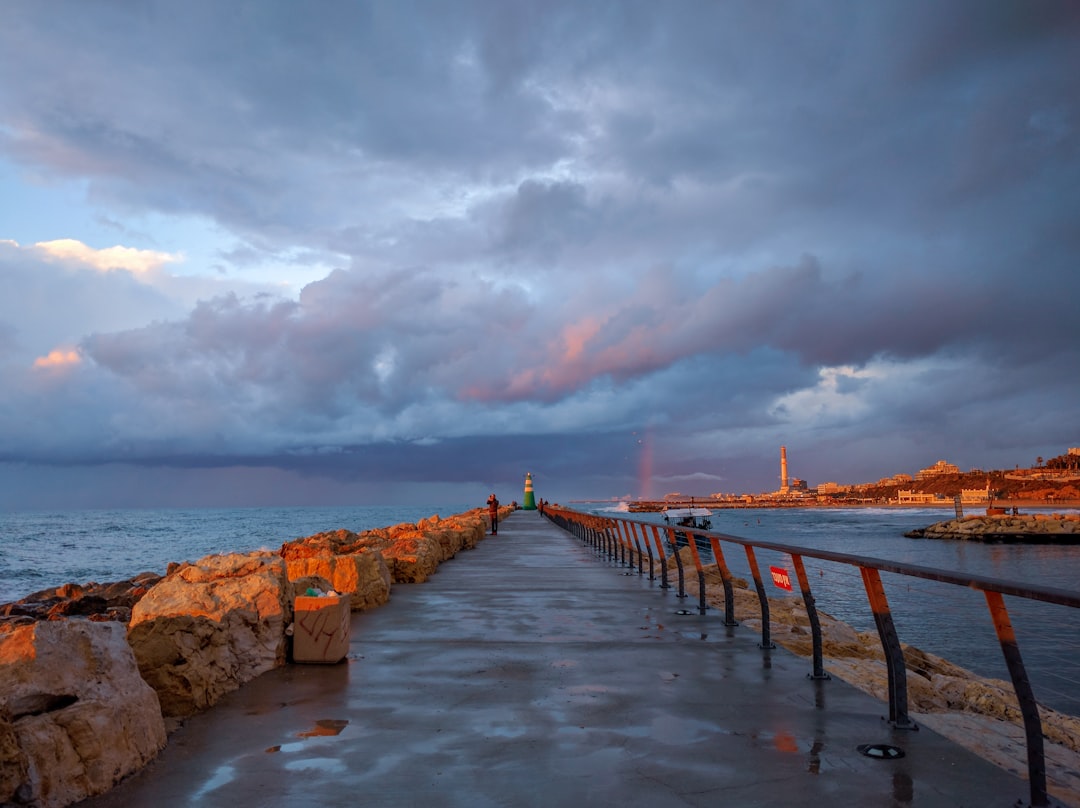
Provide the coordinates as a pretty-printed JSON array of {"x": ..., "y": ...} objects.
[{"x": 656, "y": 506}]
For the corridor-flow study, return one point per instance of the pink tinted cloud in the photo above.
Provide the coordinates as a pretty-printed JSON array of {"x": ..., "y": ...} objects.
[{"x": 58, "y": 359}]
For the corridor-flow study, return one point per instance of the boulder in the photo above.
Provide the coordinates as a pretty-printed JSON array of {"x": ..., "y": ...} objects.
[
  {"x": 111, "y": 601},
  {"x": 75, "y": 716},
  {"x": 210, "y": 626},
  {"x": 306, "y": 582},
  {"x": 353, "y": 566},
  {"x": 363, "y": 576},
  {"x": 455, "y": 533},
  {"x": 411, "y": 555}
]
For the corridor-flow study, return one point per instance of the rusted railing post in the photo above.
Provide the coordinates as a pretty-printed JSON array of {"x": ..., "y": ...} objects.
[
  {"x": 725, "y": 576},
  {"x": 766, "y": 635},
  {"x": 812, "y": 616},
  {"x": 691, "y": 542},
  {"x": 1029, "y": 708},
  {"x": 637, "y": 546},
  {"x": 673, "y": 540},
  {"x": 648, "y": 549},
  {"x": 663, "y": 558},
  {"x": 624, "y": 545},
  {"x": 890, "y": 644}
]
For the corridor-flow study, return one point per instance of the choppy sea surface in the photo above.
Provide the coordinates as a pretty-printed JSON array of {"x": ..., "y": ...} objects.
[
  {"x": 947, "y": 620},
  {"x": 41, "y": 549}
]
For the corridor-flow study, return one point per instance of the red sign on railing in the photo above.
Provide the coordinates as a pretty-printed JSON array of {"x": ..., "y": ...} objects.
[{"x": 780, "y": 578}]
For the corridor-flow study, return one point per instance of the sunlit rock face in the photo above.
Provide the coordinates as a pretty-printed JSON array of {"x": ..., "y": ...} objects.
[
  {"x": 75, "y": 715},
  {"x": 210, "y": 626},
  {"x": 456, "y": 533},
  {"x": 111, "y": 601},
  {"x": 352, "y": 568}
]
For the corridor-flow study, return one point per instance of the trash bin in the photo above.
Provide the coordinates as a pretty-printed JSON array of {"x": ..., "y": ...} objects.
[{"x": 321, "y": 628}]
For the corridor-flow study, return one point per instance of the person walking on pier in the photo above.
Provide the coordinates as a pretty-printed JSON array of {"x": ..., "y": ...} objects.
[{"x": 493, "y": 512}]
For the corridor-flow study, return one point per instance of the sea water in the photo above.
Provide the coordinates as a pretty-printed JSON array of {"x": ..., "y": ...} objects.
[
  {"x": 41, "y": 549},
  {"x": 943, "y": 619}
]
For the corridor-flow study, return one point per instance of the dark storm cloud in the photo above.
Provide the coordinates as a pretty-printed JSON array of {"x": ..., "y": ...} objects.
[{"x": 734, "y": 226}]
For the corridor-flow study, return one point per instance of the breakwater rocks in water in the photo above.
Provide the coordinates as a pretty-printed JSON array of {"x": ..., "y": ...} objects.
[
  {"x": 1018, "y": 529},
  {"x": 92, "y": 676}
]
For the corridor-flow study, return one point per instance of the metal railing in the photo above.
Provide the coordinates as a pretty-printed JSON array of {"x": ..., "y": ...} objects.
[{"x": 628, "y": 541}]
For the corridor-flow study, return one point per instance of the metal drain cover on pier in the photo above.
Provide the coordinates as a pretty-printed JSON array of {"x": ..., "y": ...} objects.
[{"x": 881, "y": 750}]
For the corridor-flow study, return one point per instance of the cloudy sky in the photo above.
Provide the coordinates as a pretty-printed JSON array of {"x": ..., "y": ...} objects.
[{"x": 364, "y": 252}]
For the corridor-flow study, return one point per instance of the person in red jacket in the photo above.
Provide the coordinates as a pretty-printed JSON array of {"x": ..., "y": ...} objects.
[{"x": 493, "y": 512}]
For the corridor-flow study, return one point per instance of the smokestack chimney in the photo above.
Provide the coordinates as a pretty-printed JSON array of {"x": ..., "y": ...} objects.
[{"x": 783, "y": 469}]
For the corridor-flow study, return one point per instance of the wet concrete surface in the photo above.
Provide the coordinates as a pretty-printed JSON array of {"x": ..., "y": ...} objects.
[{"x": 532, "y": 672}]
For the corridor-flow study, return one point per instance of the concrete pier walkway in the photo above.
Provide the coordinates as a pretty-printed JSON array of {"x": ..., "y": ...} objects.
[{"x": 531, "y": 672}]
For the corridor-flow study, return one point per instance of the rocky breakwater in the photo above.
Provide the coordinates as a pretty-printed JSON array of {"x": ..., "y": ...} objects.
[
  {"x": 86, "y": 700},
  {"x": 1020, "y": 529}
]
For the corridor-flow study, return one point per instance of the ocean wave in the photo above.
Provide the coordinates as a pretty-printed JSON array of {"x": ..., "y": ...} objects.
[{"x": 619, "y": 507}]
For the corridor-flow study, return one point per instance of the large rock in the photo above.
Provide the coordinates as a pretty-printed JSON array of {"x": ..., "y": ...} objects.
[
  {"x": 210, "y": 626},
  {"x": 111, "y": 601},
  {"x": 411, "y": 554},
  {"x": 75, "y": 716},
  {"x": 351, "y": 567},
  {"x": 456, "y": 533}
]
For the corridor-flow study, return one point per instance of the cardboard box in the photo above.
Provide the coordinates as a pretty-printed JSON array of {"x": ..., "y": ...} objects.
[{"x": 321, "y": 628}]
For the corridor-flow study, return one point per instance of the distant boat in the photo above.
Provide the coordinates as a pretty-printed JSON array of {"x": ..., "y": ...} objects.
[{"x": 688, "y": 517}]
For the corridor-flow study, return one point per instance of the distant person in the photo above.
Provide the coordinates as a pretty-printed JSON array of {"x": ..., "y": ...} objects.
[
  {"x": 493, "y": 512},
  {"x": 540, "y": 507}
]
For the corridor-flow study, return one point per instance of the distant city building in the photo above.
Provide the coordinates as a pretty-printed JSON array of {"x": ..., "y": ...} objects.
[
  {"x": 907, "y": 496},
  {"x": 936, "y": 470},
  {"x": 832, "y": 488},
  {"x": 1074, "y": 450}
]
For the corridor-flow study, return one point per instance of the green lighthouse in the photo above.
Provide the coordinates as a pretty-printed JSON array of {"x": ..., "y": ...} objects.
[{"x": 530, "y": 502}]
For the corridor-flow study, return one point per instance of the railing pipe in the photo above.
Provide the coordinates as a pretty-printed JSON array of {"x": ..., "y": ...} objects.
[
  {"x": 663, "y": 557},
  {"x": 673, "y": 539},
  {"x": 870, "y": 569},
  {"x": 1029, "y": 708},
  {"x": 725, "y": 578},
  {"x": 692, "y": 544},
  {"x": 624, "y": 539},
  {"x": 637, "y": 548},
  {"x": 648, "y": 550},
  {"x": 751, "y": 558},
  {"x": 890, "y": 644},
  {"x": 812, "y": 616}
]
